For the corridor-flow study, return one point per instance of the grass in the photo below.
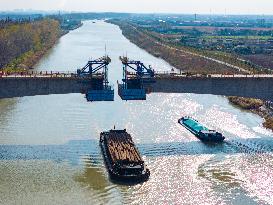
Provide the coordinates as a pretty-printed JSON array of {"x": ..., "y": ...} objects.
[
  {"x": 268, "y": 123},
  {"x": 239, "y": 37},
  {"x": 246, "y": 103},
  {"x": 253, "y": 105},
  {"x": 21, "y": 63}
]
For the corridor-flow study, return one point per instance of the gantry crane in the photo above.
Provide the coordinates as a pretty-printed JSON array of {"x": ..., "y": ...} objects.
[
  {"x": 134, "y": 84},
  {"x": 100, "y": 89}
]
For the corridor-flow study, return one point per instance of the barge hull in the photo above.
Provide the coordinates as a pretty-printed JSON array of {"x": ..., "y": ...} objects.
[
  {"x": 114, "y": 175},
  {"x": 201, "y": 132}
]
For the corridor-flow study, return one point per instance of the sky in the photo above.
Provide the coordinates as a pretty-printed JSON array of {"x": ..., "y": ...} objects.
[{"x": 146, "y": 6}]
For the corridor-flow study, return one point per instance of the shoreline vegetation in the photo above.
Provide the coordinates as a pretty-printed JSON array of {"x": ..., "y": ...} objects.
[
  {"x": 23, "y": 44},
  {"x": 256, "y": 106},
  {"x": 183, "y": 58},
  {"x": 187, "y": 60}
]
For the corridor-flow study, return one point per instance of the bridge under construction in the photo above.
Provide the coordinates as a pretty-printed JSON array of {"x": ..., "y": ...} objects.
[{"x": 138, "y": 81}]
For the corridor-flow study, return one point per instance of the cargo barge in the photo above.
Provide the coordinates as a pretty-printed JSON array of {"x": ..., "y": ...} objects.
[
  {"x": 200, "y": 131},
  {"x": 122, "y": 158}
]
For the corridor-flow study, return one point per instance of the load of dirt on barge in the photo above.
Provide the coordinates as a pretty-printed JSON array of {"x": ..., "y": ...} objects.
[{"x": 122, "y": 158}]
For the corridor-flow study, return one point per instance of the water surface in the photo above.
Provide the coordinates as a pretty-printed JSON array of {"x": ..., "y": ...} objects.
[{"x": 49, "y": 151}]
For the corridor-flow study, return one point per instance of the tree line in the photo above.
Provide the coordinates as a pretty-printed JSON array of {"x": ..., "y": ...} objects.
[{"x": 20, "y": 43}]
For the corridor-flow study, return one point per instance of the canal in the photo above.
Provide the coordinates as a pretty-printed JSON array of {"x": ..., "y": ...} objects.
[{"x": 49, "y": 151}]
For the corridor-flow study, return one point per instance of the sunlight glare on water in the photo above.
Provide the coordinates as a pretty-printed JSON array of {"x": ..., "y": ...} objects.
[{"x": 49, "y": 152}]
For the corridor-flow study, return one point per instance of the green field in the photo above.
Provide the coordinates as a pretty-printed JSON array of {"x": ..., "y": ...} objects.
[{"x": 239, "y": 37}]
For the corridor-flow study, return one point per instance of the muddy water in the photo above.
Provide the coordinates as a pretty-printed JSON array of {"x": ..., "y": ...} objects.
[{"x": 49, "y": 151}]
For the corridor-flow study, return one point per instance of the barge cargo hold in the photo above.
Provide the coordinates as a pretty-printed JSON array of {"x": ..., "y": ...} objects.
[
  {"x": 122, "y": 158},
  {"x": 201, "y": 131}
]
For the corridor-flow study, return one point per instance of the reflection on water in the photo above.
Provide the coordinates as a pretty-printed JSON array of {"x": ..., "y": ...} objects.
[
  {"x": 176, "y": 167},
  {"x": 49, "y": 150},
  {"x": 7, "y": 107},
  {"x": 94, "y": 178}
]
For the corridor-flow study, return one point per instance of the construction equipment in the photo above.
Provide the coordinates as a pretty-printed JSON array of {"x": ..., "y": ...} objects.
[
  {"x": 100, "y": 89},
  {"x": 135, "y": 84}
]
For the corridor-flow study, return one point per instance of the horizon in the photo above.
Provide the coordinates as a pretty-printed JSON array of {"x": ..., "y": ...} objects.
[
  {"x": 34, "y": 11},
  {"x": 210, "y": 7}
]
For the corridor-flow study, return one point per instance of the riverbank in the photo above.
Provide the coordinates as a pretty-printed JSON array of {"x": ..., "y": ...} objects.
[
  {"x": 27, "y": 60},
  {"x": 50, "y": 149},
  {"x": 183, "y": 58},
  {"x": 30, "y": 42},
  {"x": 256, "y": 106},
  {"x": 186, "y": 60}
]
